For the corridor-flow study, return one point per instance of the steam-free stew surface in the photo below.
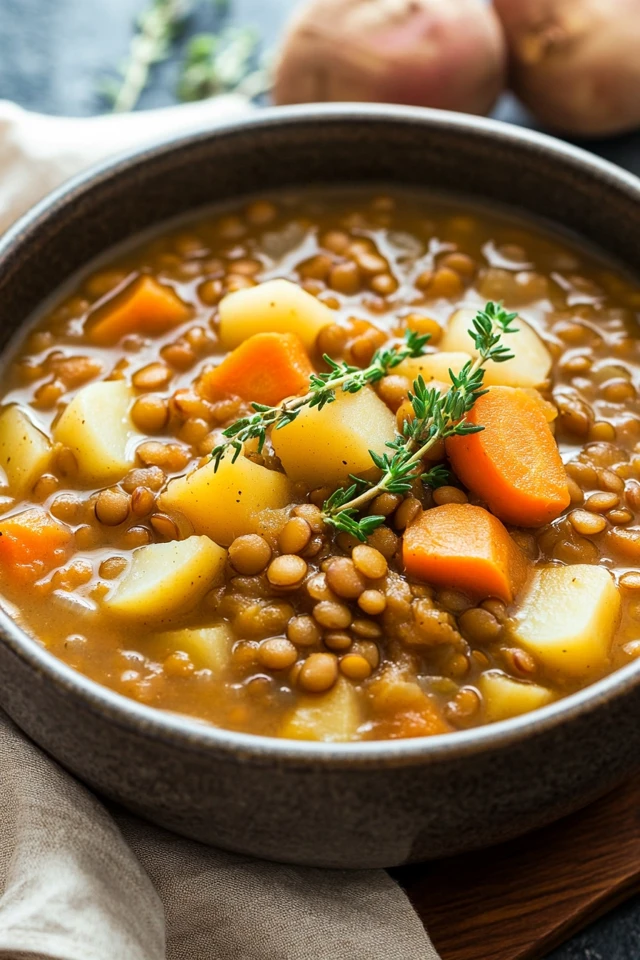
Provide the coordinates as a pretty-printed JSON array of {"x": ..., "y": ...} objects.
[{"x": 224, "y": 595}]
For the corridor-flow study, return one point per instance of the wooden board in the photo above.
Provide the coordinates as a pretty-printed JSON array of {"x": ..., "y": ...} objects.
[{"x": 520, "y": 900}]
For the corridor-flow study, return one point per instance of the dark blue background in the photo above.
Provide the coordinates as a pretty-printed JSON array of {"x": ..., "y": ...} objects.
[{"x": 53, "y": 54}]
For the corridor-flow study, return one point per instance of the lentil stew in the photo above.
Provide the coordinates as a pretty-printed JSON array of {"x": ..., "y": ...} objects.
[{"x": 500, "y": 577}]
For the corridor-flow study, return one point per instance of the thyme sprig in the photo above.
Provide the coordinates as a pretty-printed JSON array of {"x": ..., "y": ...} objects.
[
  {"x": 157, "y": 28},
  {"x": 322, "y": 390},
  {"x": 436, "y": 417}
]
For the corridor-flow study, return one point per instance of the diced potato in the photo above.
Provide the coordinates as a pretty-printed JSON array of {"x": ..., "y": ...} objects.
[
  {"x": 227, "y": 503},
  {"x": 208, "y": 647},
  {"x": 333, "y": 717},
  {"x": 531, "y": 362},
  {"x": 25, "y": 451},
  {"x": 432, "y": 366},
  {"x": 97, "y": 428},
  {"x": 166, "y": 578},
  {"x": 567, "y": 618},
  {"x": 276, "y": 306},
  {"x": 325, "y": 446},
  {"x": 505, "y": 697}
]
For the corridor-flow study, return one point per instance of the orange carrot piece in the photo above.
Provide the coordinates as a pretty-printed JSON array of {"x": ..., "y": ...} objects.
[
  {"x": 266, "y": 368},
  {"x": 144, "y": 306},
  {"x": 404, "y": 710},
  {"x": 465, "y": 547},
  {"x": 31, "y": 544},
  {"x": 513, "y": 464}
]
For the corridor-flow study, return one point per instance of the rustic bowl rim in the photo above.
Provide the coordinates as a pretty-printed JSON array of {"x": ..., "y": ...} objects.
[{"x": 179, "y": 729}]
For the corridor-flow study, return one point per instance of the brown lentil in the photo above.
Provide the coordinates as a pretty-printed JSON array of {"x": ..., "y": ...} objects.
[
  {"x": 319, "y": 672},
  {"x": 368, "y": 561},
  {"x": 249, "y": 554},
  {"x": 287, "y": 570}
]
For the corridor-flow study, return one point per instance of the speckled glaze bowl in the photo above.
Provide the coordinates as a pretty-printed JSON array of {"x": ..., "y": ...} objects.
[{"x": 345, "y": 805}]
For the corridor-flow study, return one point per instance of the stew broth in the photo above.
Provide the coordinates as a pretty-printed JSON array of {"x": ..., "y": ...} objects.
[{"x": 285, "y": 641}]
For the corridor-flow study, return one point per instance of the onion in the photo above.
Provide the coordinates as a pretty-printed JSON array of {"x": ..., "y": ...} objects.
[
  {"x": 437, "y": 53},
  {"x": 576, "y": 63}
]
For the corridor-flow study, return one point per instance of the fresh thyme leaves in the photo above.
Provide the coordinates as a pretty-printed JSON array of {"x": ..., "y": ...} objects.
[
  {"x": 223, "y": 63},
  {"x": 156, "y": 29},
  {"x": 322, "y": 390},
  {"x": 436, "y": 417}
]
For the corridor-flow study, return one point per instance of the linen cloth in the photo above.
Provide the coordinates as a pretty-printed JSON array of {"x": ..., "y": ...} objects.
[{"x": 82, "y": 881}]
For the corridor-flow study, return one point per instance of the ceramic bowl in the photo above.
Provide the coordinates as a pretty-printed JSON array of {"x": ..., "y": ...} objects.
[{"x": 337, "y": 805}]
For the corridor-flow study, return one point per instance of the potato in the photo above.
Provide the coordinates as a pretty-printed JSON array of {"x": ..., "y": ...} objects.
[
  {"x": 431, "y": 53},
  {"x": 567, "y": 618},
  {"x": 505, "y": 697},
  {"x": 333, "y": 717},
  {"x": 227, "y": 503},
  {"x": 25, "y": 451},
  {"x": 531, "y": 362},
  {"x": 208, "y": 647},
  {"x": 97, "y": 428},
  {"x": 325, "y": 446},
  {"x": 276, "y": 306},
  {"x": 166, "y": 578},
  {"x": 433, "y": 366},
  {"x": 575, "y": 62}
]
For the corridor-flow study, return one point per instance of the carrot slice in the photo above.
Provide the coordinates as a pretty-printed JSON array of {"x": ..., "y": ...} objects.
[
  {"x": 31, "y": 544},
  {"x": 462, "y": 546},
  {"x": 266, "y": 368},
  {"x": 513, "y": 464},
  {"x": 403, "y": 708},
  {"x": 144, "y": 306}
]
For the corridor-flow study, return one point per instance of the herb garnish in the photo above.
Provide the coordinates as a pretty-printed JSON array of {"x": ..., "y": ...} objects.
[
  {"x": 322, "y": 390},
  {"x": 436, "y": 417},
  {"x": 157, "y": 27}
]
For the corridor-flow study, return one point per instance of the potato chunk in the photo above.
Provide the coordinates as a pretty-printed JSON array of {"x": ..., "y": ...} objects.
[
  {"x": 276, "y": 306},
  {"x": 166, "y": 578},
  {"x": 531, "y": 361},
  {"x": 208, "y": 647},
  {"x": 332, "y": 717},
  {"x": 227, "y": 503},
  {"x": 97, "y": 428},
  {"x": 567, "y": 618},
  {"x": 325, "y": 446},
  {"x": 25, "y": 451},
  {"x": 505, "y": 697},
  {"x": 433, "y": 366}
]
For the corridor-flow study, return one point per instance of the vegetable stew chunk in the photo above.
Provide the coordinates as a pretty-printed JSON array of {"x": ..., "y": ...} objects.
[
  {"x": 531, "y": 361},
  {"x": 326, "y": 446},
  {"x": 506, "y": 696},
  {"x": 266, "y": 368},
  {"x": 98, "y": 430},
  {"x": 228, "y": 502},
  {"x": 464, "y": 547},
  {"x": 166, "y": 578},
  {"x": 567, "y": 618},
  {"x": 513, "y": 463},
  {"x": 277, "y": 306},
  {"x": 145, "y": 306},
  {"x": 333, "y": 716},
  {"x": 25, "y": 451}
]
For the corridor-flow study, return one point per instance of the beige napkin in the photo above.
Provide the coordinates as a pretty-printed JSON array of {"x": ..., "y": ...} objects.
[{"x": 79, "y": 882}]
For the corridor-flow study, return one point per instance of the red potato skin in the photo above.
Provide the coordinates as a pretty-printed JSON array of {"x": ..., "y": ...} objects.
[
  {"x": 448, "y": 54},
  {"x": 576, "y": 63}
]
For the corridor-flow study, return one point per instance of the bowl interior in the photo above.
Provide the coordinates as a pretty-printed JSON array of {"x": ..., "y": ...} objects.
[{"x": 492, "y": 162}]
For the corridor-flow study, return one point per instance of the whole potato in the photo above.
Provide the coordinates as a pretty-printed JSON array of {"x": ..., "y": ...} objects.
[
  {"x": 576, "y": 63},
  {"x": 437, "y": 53}
]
